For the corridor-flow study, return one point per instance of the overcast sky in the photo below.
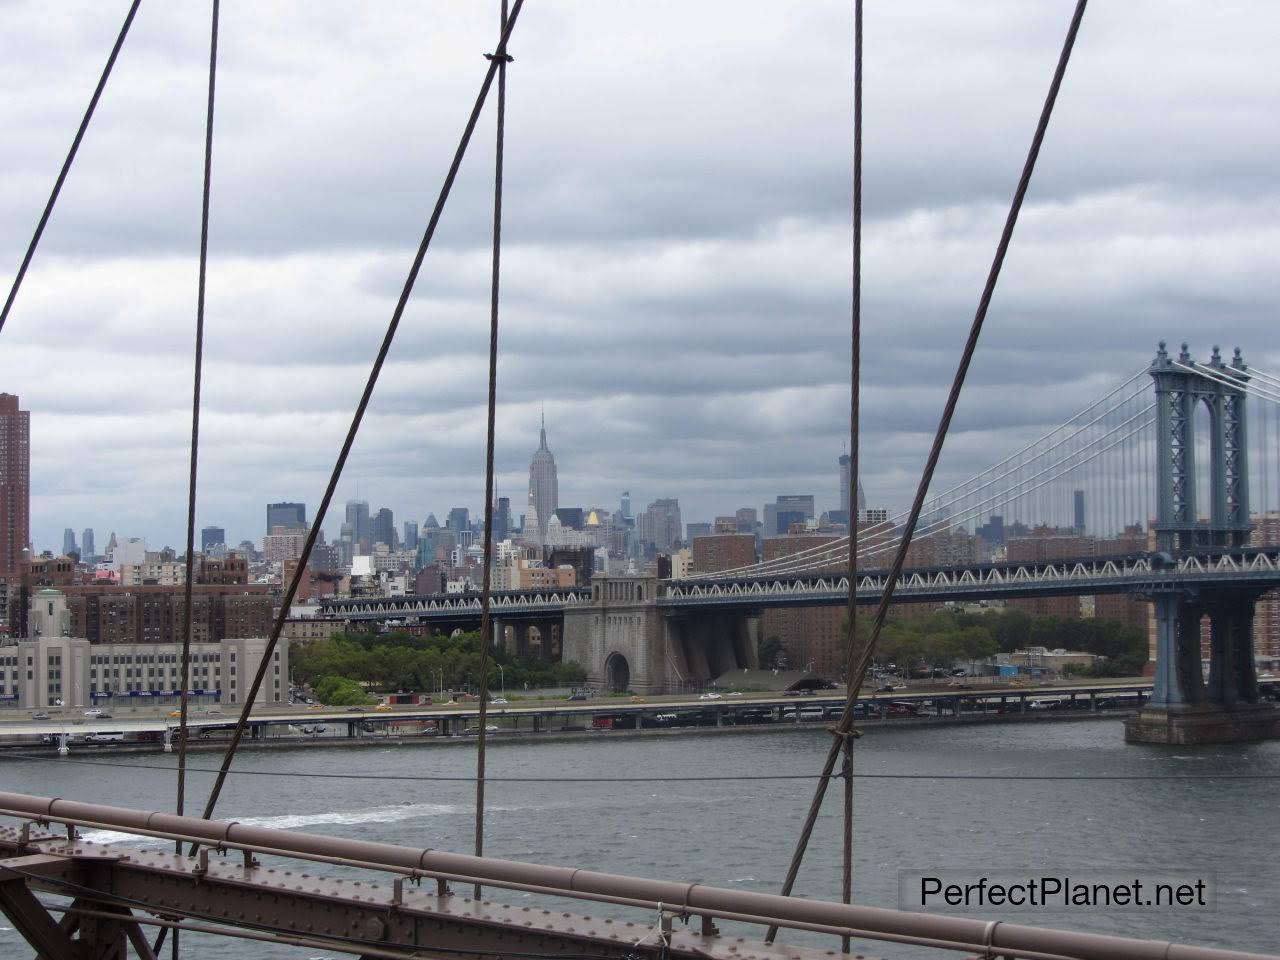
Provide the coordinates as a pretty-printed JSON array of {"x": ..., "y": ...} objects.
[{"x": 677, "y": 227}]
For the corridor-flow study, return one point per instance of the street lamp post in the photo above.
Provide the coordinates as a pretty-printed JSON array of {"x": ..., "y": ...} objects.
[{"x": 502, "y": 677}]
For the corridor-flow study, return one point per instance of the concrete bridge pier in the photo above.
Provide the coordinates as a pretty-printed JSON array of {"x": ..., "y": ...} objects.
[{"x": 625, "y": 640}]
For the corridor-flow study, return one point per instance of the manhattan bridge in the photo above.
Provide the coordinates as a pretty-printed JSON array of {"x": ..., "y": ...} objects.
[
  {"x": 1177, "y": 461},
  {"x": 1169, "y": 463}
]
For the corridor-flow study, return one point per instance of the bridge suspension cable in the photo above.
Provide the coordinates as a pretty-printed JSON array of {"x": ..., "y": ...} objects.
[
  {"x": 1074, "y": 463},
  {"x": 188, "y": 615},
  {"x": 502, "y": 58},
  {"x": 1218, "y": 376},
  {"x": 358, "y": 416},
  {"x": 880, "y": 542},
  {"x": 855, "y": 397},
  {"x": 66, "y": 164},
  {"x": 845, "y": 726}
]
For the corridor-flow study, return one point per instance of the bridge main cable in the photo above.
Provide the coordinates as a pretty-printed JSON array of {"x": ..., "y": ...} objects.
[
  {"x": 953, "y": 398},
  {"x": 388, "y": 338}
]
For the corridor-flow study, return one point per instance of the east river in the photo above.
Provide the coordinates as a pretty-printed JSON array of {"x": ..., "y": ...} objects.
[{"x": 740, "y": 834}]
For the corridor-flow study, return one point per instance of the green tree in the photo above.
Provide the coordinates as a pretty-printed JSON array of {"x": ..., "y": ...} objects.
[
  {"x": 340, "y": 692},
  {"x": 770, "y": 652}
]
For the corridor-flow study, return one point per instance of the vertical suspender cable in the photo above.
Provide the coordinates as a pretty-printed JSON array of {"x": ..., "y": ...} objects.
[
  {"x": 953, "y": 398},
  {"x": 195, "y": 425},
  {"x": 855, "y": 352},
  {"x": 502, "y": 60},
  {"x": 357, "y": 418},
  {"x": 187, "y": 616},
  {"x": 66, "y": 164}
]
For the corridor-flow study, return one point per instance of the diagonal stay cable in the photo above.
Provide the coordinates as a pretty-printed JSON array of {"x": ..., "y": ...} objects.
[
  {"x": 486, "y": 641},
  {"x": 845, "y": 737},
  {"x": 394, "y": 324},
  {"x": 953, "y": 397},
  {"x": 66, "y": 164}
]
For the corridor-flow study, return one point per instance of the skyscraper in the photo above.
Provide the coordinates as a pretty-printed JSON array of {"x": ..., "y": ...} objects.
[
  {"x": 660, "y": 524},
  {"x": 87, "y": 548},
  {"x": 211, "y": 535},
  {"x": 411, "y": 534},
  {"x": 358, "y": 517},
  {"x": 502, "y": 520},
  {"x": 15, "y": 483},
  {"x": 384, "y": 527},
  {"x": 458, "y": 520},
  {"x": 544, "y": 489},
  {"x": 844, "y": 487},
  {"x": 69, "y": 542},
  {"x": 1078, "y": 503},
  {"x": 291, "y": 516}
]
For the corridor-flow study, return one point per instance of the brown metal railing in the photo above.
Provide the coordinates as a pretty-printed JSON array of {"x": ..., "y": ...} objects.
[{"x": 869, "y": 923}]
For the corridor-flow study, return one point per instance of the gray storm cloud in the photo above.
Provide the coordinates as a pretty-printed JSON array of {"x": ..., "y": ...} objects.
[{"x": 677, "y": 225}]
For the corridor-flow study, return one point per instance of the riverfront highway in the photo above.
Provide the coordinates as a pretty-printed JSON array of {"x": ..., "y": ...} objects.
[{"x": 74, "y": 723}]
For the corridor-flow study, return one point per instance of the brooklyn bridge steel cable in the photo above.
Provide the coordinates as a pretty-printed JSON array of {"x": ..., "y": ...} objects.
[
  {"x": 187, "y": 617},
  {"x": 358, "y": 417},
  {"x": 66, "y": 164},
  {"x": 502, "y": 59},
  {"x": 953, "y": 398},
  {"x": 846, "y": 737}
]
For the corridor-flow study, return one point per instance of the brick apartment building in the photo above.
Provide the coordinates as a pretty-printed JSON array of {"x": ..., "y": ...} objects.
[{"x": 723, "y": 551}]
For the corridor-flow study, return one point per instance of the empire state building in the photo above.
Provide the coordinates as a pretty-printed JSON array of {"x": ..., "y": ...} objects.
[{"x": 544, "y": 490}]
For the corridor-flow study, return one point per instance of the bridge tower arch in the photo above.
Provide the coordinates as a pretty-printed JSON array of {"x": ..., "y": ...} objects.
[{"x": 1181, "y": 385}]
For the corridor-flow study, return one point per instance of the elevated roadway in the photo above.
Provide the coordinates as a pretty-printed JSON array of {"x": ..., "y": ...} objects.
[{"x": 465, "y": 712}]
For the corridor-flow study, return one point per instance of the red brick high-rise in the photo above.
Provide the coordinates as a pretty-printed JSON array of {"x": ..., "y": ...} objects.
[{"x": 15, "y": 484}]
